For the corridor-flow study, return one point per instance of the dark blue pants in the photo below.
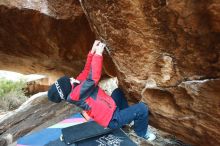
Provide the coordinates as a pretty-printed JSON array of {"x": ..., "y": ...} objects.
[{"x": 125, "y": 114}]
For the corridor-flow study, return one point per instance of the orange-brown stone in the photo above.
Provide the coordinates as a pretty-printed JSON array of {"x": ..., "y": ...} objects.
[
  {"x": 44, "y": 37},
  {"x": 165, "y": 53}
]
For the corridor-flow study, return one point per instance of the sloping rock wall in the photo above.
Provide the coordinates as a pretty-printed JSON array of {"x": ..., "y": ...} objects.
[
  {"x": 44, "y": 36},
  {"x": 36, "y": 113},
  {"x": 166, "y": 53}
]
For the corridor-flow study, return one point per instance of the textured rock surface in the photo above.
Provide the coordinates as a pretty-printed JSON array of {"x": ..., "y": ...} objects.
[
  {"x": 36, "y": 86},
  {"x": 43, "y": 36},
  {"x": 167, "y": 54},
  {"x": 34, "y": 113}
]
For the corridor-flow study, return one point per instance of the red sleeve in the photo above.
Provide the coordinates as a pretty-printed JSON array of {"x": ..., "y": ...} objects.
[
  {"x": 86, "y": 87},
  {"x": 96, "y": 69},
  {"x": 83, "y": 75}
]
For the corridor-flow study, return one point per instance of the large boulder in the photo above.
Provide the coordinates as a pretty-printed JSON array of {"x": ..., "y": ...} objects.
[
  {"x": 43, "y": 36},
  {"x": 166, "y": 53}
]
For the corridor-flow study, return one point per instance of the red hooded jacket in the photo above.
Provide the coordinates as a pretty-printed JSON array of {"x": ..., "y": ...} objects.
[{"x": 89, "y": 96}]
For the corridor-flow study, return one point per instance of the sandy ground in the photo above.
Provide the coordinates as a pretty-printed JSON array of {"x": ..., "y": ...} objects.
[{"x": 162, "y": 138}]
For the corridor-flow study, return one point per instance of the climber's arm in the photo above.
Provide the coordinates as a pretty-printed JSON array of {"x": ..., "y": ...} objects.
[
  {"x": 83, "y": 75},
  {"x": 84, "y": 89}
]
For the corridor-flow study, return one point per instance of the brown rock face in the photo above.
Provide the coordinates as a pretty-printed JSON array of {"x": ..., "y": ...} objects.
[
  {"x": 45, "y": 36},
  {"x": 166, "y": 53}
]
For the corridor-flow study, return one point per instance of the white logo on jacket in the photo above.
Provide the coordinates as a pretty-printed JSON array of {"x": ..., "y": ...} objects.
[{"x": 59, "y": 90}]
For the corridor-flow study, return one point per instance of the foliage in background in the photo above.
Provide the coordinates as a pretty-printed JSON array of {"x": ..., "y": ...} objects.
[{"x": 12, "y": 94}]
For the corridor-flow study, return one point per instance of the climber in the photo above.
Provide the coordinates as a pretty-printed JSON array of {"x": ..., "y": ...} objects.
[{"x": 109, "y": 111}]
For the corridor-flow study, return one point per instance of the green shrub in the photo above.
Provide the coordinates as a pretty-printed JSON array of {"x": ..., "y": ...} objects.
[{"x": 12, "y": 94}]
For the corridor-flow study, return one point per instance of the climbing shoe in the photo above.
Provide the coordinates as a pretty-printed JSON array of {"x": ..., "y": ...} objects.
[{"x": 150, "y": 136}]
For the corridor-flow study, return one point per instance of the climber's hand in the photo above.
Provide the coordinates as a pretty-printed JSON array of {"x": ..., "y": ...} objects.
[
  {"x": 100, "y": 48},
  {"x": 95, "y": 44}
]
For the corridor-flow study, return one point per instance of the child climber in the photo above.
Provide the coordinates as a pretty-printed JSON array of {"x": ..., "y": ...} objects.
[{"x": 108, "y": 111}]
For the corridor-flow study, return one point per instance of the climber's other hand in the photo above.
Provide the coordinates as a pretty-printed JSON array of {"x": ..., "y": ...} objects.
[
  {"x": 100, "y": 48},
  {"x": 95, "y": 45}
]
